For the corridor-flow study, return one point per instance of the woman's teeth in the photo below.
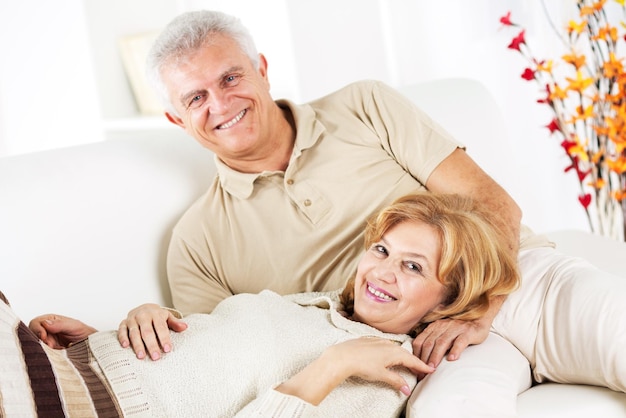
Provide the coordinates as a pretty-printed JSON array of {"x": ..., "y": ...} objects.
[{"x": 379, "y": 294}]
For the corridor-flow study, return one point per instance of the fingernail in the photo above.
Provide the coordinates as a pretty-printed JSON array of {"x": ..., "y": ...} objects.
[
  {"x": 166, "y": 348},
  {"x": 49, "y": 321},
  {"x": 155, "y": 355},
  {"x": 406, "y": 390},
  {"x": 140, "y": 354}
]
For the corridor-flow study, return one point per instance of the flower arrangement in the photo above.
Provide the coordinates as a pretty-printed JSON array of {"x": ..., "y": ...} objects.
[{"x": 586, "y": 91}]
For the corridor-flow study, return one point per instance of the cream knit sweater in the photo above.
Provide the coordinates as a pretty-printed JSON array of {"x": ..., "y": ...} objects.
[{"x": 226, "y": 363}]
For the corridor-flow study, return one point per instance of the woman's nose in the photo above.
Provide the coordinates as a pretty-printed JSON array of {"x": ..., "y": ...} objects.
[{"x": 386, "y": 272}]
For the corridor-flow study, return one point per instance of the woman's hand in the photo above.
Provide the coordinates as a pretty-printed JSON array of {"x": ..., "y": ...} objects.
[
  {"x": 147, "y": 329},
  {"x": 368, "y": 358},
  {"x": 58, "y": 331}
]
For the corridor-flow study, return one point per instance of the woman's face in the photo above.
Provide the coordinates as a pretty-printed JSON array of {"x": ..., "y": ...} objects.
[{"x": 396, "y": 281}]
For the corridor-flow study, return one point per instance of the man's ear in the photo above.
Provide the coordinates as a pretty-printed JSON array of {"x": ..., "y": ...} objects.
[
  {"x": 263, "y": 69},
  {"x": 175, "y": 120}
]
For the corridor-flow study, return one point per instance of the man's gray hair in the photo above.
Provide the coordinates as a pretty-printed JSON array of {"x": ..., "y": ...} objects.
[{"x": 187, "y": 33}]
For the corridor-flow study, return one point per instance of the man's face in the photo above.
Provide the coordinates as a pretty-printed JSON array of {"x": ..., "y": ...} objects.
[{"x": 222, "y": 100}]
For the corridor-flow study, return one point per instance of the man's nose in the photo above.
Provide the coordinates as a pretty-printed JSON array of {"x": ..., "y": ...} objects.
[{"x": 219, "y": 102}]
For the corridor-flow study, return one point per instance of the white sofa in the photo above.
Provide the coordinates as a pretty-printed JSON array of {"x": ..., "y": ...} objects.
[{"x": 83, "y": 230}]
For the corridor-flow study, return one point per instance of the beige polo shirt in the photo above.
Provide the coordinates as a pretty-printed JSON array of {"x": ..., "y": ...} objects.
[{"x": 356, "y": 150}]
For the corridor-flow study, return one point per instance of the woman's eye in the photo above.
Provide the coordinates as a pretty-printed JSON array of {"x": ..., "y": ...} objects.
[
  {"x": 380, "y": 249},
  {"x": 414, "y": 267}
]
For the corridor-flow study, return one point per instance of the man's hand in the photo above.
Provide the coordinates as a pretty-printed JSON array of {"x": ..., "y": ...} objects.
[
  {"x": 449, "y": 336},
  {"x": 59, "y": 331},
  {"x": 147, "y": 329}
]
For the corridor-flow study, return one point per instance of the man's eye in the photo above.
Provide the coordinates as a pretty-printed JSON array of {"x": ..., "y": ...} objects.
[
  {"x": 231, "y": 79},
  {"x": 195, "y": 100}
]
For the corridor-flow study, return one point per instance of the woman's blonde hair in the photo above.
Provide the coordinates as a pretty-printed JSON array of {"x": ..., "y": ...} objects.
[{"x": 475, "y": 264}]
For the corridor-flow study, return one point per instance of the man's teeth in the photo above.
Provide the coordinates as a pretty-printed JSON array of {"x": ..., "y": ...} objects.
[
  {"x": 379, "y": 294},
  {"x": 232, "y": 121}
]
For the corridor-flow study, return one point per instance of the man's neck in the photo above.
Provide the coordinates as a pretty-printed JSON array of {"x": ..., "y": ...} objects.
[{"x": 278, "y": 152}]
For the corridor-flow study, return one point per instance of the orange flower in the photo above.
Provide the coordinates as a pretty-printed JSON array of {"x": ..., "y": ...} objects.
[
  {"x": 579, "y": 84},
  {"x": 595, "y": 7},
  {"x": 607, "y": 32},
  {"x": 619, "y": 165},
  {"x": 558, "y": 93},
  {"x": 576, "y": 27},
  {"x": 613, "y": 67},
  {"x": 576, "y": 60}
]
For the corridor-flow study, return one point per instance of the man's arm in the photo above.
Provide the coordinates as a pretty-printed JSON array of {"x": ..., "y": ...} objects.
[{"x": 458, "y": 173}]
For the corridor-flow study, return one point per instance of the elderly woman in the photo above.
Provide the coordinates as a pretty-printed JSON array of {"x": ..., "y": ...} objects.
[{"x": 344, "y": 353}]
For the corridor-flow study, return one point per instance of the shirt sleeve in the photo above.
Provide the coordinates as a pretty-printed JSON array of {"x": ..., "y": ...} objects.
[
  {"x": 194, "y": 289},
  {"x": 277, "y": 405},
  {"x": 415, "y": 140}
]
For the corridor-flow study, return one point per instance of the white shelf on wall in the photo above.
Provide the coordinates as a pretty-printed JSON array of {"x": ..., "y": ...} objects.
[
  {"x": 142, "y": 126},
  {"x": 138, "y": 123}
]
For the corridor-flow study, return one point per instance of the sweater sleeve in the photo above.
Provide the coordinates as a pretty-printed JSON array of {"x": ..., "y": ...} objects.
[{"x": 277, "y": 405}]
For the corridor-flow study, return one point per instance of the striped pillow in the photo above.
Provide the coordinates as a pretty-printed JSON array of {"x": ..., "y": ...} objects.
[{"x": 36, "y": 380}]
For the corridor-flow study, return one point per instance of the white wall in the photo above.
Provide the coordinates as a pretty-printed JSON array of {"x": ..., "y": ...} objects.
[
  {"x": 62, "y": 82},
  {"x": 47, "y": 86}
]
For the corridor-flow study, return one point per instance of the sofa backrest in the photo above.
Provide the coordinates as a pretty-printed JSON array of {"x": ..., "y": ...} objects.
[{"x": 84, "y": 230}]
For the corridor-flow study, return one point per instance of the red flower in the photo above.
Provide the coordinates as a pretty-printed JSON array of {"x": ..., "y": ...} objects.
[
  {"x": 566, "y": 144},
  {"x": 517, "y": 41},
  {"x": 506, "y": 20},
  {"x": 585, "y": 200},
  {"x": 553, "y": 126},
  {"x": 528, "y": 74},
  {"x": 582, "y": 174}
]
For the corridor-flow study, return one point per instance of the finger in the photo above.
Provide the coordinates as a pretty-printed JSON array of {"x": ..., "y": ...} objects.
[
  {"x": 424, "y": 348},
  {"x": 122, "y": 334},
  {"x": 162, "y": 330},
  {"x": 460, "y": 344},
  {"x": 136, "y": 342},
  {"x": 396, "y": 381},
  {"x": 175, "y": 324},
  {"x": 150, "y": 340},
  {"x": 441, "y": 347},
  {"x": 417, "y": 366}
]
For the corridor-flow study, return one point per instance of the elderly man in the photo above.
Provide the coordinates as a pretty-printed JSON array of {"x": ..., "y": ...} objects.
[{"x": 296, "y": 183}]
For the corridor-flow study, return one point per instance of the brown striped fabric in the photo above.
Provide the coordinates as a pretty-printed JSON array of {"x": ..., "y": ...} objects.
[{"x": 36, "y": 380}]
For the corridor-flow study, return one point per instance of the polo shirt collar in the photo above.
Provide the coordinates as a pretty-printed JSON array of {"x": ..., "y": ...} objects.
[{"x": 308, "y": 132}]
